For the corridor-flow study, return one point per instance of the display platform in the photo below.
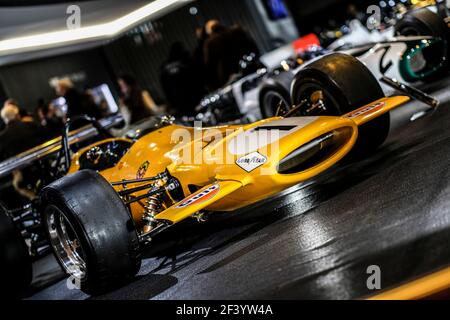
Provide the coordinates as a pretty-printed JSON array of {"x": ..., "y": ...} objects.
[{"x": 317, "y": 240}]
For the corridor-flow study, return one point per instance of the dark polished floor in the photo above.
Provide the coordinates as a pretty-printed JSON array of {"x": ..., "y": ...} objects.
[{"x": 316, "y": 240}]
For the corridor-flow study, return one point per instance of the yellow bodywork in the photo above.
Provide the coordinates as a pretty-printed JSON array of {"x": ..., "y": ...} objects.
[
  {"x": 422, "y": 3},
  {"x": 195, "y": 157},
  {"x": 203, "y": 158}
]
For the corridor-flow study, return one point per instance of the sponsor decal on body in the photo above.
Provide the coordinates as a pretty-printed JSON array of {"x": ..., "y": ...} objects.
[
  {"x": 365, "y": 110},
  {"x": 251, "y": 161},
  {"x": 201, "y": 197},
  {"x": 142, "y": 170}
]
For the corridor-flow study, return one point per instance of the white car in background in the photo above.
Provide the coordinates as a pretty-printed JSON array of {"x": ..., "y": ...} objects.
[{"x": 419, "y": 53}]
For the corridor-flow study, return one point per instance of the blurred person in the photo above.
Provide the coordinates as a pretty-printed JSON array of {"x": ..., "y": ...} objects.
[
  {"x": 212, "y": 27},
  {"x": 7, "y": 103},
  {"x": 64, "y": 88},
  {"x": 18, "y": 136},
  {"x": 213, "y": 49},
  {"x": 103, "y": 109},
  {"x": 136, "y": 104},
  {"x": 223, "y": 50},
  {"x": 198, "y": 56},
  {"x": 49, "y": 120},
  {"x": 198, "y": 61},
  {"x": 179, "y": 79},
  {"x": 354, "y": 13},
  {"x": 39, "y": 112},
  {"x": 94, "y": 107},
  {"x": 25, "y": 116},
  {"x": 77, "y": 103}
]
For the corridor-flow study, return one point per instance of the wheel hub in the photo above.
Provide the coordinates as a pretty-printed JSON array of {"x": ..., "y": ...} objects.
[{"x": 68, "y": 248}]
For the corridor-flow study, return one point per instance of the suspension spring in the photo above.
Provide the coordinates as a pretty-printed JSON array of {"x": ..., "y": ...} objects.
[{"x": 151, "y": 209}]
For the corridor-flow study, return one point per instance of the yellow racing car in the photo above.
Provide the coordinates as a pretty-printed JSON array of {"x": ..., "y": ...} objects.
[{"x": 101, "y": 215}]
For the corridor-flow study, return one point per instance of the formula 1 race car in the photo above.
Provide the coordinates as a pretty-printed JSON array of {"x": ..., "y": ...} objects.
[
  {"x": 415, "y": 50},
  {"x": 101, "y": 216},
  {"x": 22, "y": 236}
]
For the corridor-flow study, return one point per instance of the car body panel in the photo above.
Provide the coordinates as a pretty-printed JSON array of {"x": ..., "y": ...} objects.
[{"x": 242, "y": 160}]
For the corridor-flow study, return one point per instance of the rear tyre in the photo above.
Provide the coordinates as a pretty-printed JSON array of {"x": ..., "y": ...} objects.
[
  {"x": 273, "y": 96},
  {"x": 15, "y": 261},
  {"x": 422, "y": 22},
  {"x": 346, "y": 85},
  {"x": 91, "y": 232}
]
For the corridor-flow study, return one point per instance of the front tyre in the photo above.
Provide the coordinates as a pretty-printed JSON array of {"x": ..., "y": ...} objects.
[
  {"x": 337, "y": 84},
  {"x": 15, "y": 261},
  {"x": 91, "y": 232}
]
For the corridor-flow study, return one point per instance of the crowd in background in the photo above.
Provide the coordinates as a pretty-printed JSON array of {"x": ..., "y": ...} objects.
[
  {"x": 21, "y": 132},
  {"x": 24, "y": 130},
  {"x": 185, "y": 77}
]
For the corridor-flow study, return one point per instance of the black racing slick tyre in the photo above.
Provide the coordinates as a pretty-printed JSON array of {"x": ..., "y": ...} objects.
[
  {"x": 271, "y": 99},
  {"x": 346, "y": 85},
  {"x": 91, "y": 232},
  {"x": 273, "y": 92},
  {"x": 15, "y": 261},
  {"x": 422, "y": 22}
]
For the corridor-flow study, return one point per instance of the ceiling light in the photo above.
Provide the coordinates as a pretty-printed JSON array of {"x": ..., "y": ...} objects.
[{"x": 94, "y": 32}]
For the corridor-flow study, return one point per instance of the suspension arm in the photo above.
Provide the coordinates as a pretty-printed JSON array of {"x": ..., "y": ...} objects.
[{"x": 145, "y": 196}]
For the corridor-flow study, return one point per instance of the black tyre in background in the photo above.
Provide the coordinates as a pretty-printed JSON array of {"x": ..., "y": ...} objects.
[
  {"x": 346, "y": 85},
  {"x": 273, "y": 92},
  {"x": 422, "y": 22}
]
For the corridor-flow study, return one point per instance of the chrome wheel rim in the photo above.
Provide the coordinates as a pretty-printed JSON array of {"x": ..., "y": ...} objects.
[{"x": 66, "y": 244}]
